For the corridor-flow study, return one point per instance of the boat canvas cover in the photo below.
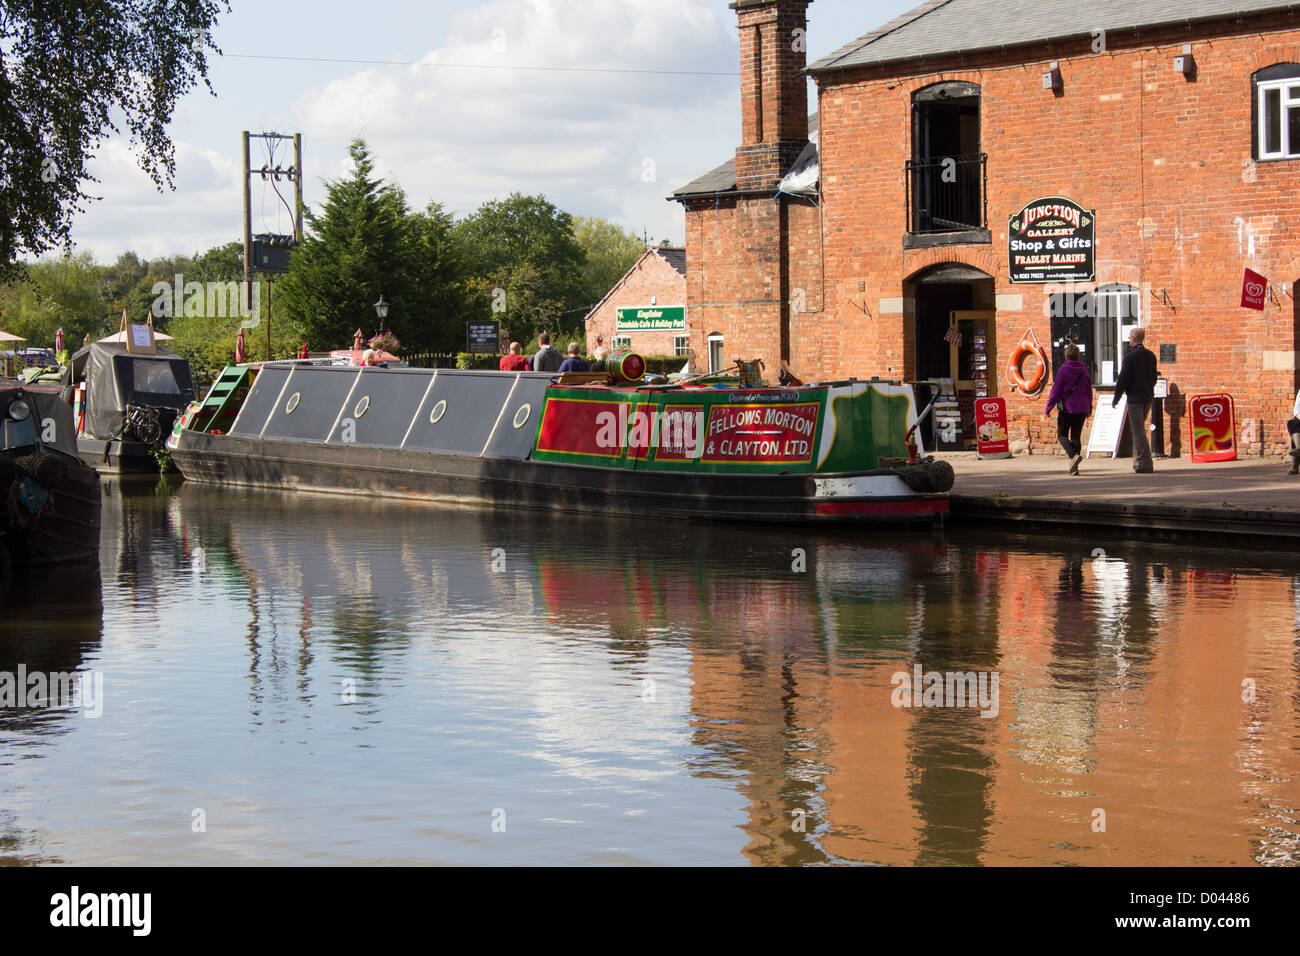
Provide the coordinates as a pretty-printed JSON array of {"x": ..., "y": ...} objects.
[{"x": 116, "y": 378}]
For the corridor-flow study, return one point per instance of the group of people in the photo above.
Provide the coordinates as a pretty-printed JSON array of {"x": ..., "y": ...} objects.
[
  {"x": 547, "y": 359},
  {"x": 1072, "y": 392}
]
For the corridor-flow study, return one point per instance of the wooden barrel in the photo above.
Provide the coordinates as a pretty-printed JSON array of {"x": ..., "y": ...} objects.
[{"x": 625, "y": 367}]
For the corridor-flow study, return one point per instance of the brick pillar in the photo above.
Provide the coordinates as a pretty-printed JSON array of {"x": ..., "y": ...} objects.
[{"x": 773, "y": 89}]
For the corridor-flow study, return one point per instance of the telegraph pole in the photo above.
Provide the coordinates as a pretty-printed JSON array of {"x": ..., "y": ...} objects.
[{"x": 270, "y": 253}]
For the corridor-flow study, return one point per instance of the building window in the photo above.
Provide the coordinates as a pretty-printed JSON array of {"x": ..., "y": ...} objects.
[
  {"x": 945, "y": 176},
  {"x": 620, "y": 342},
  {"x": 1098, "y": 323},
  {"x": 1276, "y": 111},
  {"x": 681, "y": 345},
  {"x": 715, "y": 353}
]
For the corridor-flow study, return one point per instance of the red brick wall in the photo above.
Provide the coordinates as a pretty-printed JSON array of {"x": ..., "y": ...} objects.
[
  {"x": 741, "y": 277},
  {"x": 1166, "y": 163},
  {"x": 652, "y": 276}
]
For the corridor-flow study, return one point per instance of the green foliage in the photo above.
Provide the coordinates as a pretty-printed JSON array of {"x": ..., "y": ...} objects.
[
  {"x": 610, "y": 252},
  {"x": 366, "y": 243},
  {"x": 69, "y": 72},
  {"x": 526, "y": 265}
]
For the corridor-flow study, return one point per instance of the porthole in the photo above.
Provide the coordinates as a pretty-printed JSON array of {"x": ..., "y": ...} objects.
[
  {"x": 292, "y": 403},
  {"x": 438, "y": 411},
  {"x": 362, "y": 406},
  {"x": 521, "y": 416}
]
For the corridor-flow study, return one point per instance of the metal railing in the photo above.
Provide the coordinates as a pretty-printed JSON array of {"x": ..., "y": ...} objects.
[{"x": 948, "y": 194}]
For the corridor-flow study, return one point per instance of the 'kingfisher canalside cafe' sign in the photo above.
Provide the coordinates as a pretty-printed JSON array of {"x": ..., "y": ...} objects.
[
  {"x": 1052, "y": 240},
  {"x": 668, "y": 318}
]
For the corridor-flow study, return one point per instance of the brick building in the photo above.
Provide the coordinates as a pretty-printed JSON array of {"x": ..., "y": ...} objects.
[
  {"x": 646, "y": 309},
  {"x": 1164, "y": 137}
]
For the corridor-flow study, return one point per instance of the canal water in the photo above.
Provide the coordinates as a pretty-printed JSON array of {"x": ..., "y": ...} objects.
[{"x": 270, "y": 679}]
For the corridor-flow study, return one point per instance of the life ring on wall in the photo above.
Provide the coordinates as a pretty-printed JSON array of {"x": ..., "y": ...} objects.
[{"x": 1033, "y": 384}]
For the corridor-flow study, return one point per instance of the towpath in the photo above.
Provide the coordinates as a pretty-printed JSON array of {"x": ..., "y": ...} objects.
[{"x": 1253, "y": 499}]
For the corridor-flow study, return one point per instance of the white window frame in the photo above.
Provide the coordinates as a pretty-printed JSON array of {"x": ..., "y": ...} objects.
[
  {"x": 1288, "y": 93},
  {"x": 681, "y": 345},
  {"x": 715, "y": 353},
  {"x": 620, "y": 342},
  {"x": 1107, "y": 315}
]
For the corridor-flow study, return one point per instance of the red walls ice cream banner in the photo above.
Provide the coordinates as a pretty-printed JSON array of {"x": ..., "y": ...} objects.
[
  {"x": 991, "y": 439},
  {"x": 1253, "y": 288},
  {"x": 1212, "y": 420},
  {"x": 761, "y": 433}
]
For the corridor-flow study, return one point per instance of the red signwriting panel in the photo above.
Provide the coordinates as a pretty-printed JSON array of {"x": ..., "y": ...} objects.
[{"x": 761, "y": 434}]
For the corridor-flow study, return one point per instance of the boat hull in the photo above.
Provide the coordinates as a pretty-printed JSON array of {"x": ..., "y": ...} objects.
[
  {"x": 117, "y": 457},
  {"x": 67, "y": 528},
  {"x": 861, "y": 498}
]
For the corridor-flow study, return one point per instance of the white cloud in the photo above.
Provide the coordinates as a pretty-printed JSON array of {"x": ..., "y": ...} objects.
[{"x": 457, "y": 135}]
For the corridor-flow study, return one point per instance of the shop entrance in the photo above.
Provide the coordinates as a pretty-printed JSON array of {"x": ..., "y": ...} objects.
[{"x": 956, "y": 344}]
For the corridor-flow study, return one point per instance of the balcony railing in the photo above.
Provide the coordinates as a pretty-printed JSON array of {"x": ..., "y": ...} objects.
[{"x": 947, "y": 194}]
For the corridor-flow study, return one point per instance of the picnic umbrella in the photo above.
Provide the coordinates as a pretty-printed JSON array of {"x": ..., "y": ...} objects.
[
  {"x": 304, "y": 353},
  {"x": 6, "y": 337},
  {"x": 241, "y": 350},
  {"x": 58, "y": 341},
  {"x": 357, "y": 341}
]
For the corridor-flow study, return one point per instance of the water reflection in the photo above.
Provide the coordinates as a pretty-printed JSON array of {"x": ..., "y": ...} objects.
[{"x": 633, "y": 692}]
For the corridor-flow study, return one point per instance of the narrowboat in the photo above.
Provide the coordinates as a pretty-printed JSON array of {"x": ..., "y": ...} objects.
[
  {"x": 126, "y": 403},
  {"x": 836, "y": 452},
  {"x": 49, "y": 498}
]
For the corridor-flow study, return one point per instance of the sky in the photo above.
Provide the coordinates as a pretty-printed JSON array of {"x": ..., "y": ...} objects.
[{"x": 459, "y": 103}]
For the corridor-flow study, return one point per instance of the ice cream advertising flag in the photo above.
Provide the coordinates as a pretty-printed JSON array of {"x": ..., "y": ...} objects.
[{"x": 1253, "y": 288}]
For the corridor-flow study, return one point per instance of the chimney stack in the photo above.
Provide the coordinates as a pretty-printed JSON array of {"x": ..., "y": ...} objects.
[{"x": 773, "y": 89}]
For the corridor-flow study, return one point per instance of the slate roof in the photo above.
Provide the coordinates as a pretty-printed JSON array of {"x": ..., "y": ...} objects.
[
  {"x": 959, "y": 26},
  {"x": 676, "y": 258},
  {"x": 723, "y": 178}
]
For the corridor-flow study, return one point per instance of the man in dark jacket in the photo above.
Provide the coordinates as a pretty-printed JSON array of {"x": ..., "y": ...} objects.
[
  {"x": 1137, "y": 380},
  {"x": 545, "y": 359}
]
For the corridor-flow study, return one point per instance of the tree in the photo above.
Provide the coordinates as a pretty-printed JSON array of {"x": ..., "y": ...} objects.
[
  {"x": 68, "y": 71},
  {"x": 525, "y": 247},
  {"x": 363, "y": 244},
  {"x": 441, "y": 280},
  {"x": 610, "y": 252}
]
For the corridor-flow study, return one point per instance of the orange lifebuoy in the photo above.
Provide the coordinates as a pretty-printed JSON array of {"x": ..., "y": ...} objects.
[{"x": 1032, "y": 385}]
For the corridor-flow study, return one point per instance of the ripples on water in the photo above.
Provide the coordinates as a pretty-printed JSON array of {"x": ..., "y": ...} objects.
[{"x": 338, "y": 680}]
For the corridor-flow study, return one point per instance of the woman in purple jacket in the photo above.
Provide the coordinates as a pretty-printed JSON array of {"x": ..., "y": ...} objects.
[{"x": 1072, "y": 390}]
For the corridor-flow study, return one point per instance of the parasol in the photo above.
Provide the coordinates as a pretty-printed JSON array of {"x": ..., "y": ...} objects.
[
  {"x": 241, "y": 350},
  {"x": 58, "y": 341},
  {"x": 121, "y": 337},
  {"x": 304, "y": 353},
  {"x": 357, "y": 341}
]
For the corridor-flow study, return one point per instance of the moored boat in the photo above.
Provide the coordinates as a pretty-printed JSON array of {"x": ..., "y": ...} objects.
[
  {"x": 834, "y": 452},
  {"x": 126, "y": 403},
  {"x": 49, "y": 498}
]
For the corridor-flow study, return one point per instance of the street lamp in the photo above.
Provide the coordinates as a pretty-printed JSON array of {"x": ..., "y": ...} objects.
[{"x": 381, "y": 310}]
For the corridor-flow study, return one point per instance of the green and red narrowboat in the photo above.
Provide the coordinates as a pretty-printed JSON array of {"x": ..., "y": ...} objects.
[{"x": 834, "y": 452}]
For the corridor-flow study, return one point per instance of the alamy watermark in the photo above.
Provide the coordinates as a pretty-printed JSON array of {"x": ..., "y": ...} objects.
[
  {"x": 922, "y": 688},
  {"x": 217, "y": 300},
  {"x": 33, "y": 690}
]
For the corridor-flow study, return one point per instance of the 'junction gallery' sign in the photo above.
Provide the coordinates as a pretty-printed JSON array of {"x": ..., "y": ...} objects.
[{"x": 1052, "y": 240}]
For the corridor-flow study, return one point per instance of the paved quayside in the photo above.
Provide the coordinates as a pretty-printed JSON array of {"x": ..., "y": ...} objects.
[{"x": 1252, "y": 500}]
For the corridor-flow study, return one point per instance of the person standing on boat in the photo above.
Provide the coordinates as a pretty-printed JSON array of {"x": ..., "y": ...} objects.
[
  {"x": 1072, "y": 391},
  {"x": 574, "y": 363},
  {"x": 514, "y": 360},
  {"x": 545, "y": 359}
]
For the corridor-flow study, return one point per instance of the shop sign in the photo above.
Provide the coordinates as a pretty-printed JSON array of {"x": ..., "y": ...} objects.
[
  {"x": 1212, "y": 420},
  {"x": 1052, "y": 240},
  {"x": 991, "y": 439},
  {"x": 670, "y": 318},
  {"x": 1253, "y": 288}
]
